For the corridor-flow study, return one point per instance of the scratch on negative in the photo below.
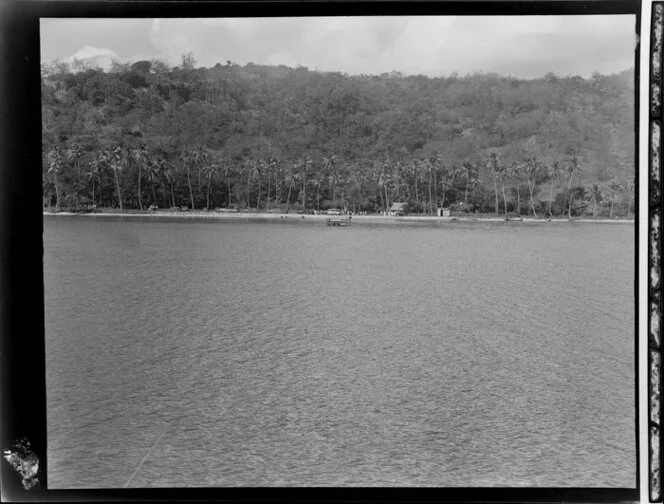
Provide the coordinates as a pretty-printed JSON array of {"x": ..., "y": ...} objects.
[{"x": 145, "y": 457}]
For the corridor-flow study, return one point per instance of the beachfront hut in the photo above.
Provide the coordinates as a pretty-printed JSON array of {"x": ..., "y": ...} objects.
[
  {"x": 398, "y": 209},
  {"x": 443, "y": 212}
]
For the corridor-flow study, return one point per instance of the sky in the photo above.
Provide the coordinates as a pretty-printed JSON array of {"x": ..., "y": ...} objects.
[{"x": 522, "y": 46}]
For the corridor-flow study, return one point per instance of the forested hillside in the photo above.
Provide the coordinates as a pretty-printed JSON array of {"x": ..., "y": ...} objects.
[{"x": 273, "y": 137}]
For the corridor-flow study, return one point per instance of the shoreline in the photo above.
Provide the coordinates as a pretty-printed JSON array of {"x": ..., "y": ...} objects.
[{"x": 308, "y": 217}]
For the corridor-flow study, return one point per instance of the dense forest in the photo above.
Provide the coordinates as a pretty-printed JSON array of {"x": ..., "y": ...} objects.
[{"x": 274, "y": 138}]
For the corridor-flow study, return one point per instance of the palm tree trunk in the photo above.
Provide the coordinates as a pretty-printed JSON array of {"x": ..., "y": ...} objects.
[
  {"x": 117, "y": 185},
  {"x": 164, "y": 194},
  {"x": 611, "y": 214},
  {"x": 247, "y": 191},
  {"x": 430, "y": 197},
  {"x": 208, "y": 193},
  {"x": 304, "y": 191},
  {"x": 398, "y": 186},
  {"x": 550, "y": 199},
  {"x": 140, "y": 203},
  {"x": 518, "y": 200},
  {"x": 267, "y": 205},
  {"x": 504, "y": 199},
  {"x": 258, "y": 202},
  {"x": 78, "y": 169},
  {"x": 569, "y": 189},
  {"x": 154, "y": 194},
  {"x": 495, "y": 188},
  {"x": 290, "y": 187},
  {"x": 191, "y": 192},
  {"x": 199, "y": 180},
  {"x": 531, "y": 188},
  {"x": 442, "y": 203},
  {"x": 93, "y": 191},
  {"x": 334, "y": 196},
  {"x": 57, "y": 189},
  {"x": 172, "y": 195},
  {"x": 277, "y": 190}
]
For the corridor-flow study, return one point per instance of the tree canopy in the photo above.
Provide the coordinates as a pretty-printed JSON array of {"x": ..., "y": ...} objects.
[{"x": 269, "y": 137}]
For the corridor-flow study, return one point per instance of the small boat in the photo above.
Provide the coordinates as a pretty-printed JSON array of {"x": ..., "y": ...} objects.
[{"x": 338, "y": 222}]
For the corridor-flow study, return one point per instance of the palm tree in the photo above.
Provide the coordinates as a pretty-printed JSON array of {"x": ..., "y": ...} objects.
[
  {"x": 343, "y": 174},
  {"x": 169, "y": 174},
  {"x": 444, "y": 176},
  {"x": 384, "y": 180},
  {"x": 210, "y": 171},
  {"x": 268, "y": 168},
  {"x": 74, "y": 153},
  {"x": 514, "y": 171},
  {"x": 594, "y": 195},
  {"x": 140, "y": 156},
  {"x": 290, "y": 180},
  {"x": 614, "y": 188},
  {"x": 304, "y": 165},
  {"x": 228, "y": 172},
  {"x": 427, "y": 171},
  {"x": 415, "y": 171},
  {"x": 318, "y": 181},
  {"x": 437, "y": 165},
  {"x": 502, "y": 173},
  {"x": 256, "y": 172},
  {"x": 186, "y": 158},
  {"x": 118, "y": 160},
  {"x": 496, "y": 169},
  {"x": 277, "y": 169},
  {"x": 395, "y": 177},
  {"x": 330, "y": 168},
  {"x": 533, "y": 171},
  {"x": 553, "y": 173},
  {"x": 243, "y": 169},
  {"x": 403, "y": 171},
  {"x": 452, "y": 175},
  {"x": 54, "y": 160},
  {"x": 572, "y": 168},
  {"x": 200, "y": 158},
  {"x": 152, "y": 168},
  {"x": 469, "y": 174},
  {"x": 192, "y": 158},
  {"x": 631, "y": 185},
  {"x": 99, "y": 162}
]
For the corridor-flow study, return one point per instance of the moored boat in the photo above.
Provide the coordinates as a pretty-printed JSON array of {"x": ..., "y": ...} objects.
[{"x": 338, "y": 222}]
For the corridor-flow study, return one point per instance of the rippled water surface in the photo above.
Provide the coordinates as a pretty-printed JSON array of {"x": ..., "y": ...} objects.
[{"x": 241, "y": 353}]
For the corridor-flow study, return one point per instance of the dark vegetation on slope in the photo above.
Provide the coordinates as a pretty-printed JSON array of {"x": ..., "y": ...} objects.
[{"x": 273, "y": 137}]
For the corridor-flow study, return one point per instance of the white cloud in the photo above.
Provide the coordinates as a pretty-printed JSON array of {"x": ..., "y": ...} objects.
[{"x": 101, "y": 57}]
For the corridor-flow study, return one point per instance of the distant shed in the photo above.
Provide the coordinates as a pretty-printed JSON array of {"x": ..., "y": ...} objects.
[{"x": 398, "y": 209}]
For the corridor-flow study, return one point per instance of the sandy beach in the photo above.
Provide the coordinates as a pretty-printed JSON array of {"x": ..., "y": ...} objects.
[{"x": 298, "y": 217}]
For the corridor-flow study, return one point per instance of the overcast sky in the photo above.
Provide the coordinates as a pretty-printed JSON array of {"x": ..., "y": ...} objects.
[{"x": 522, "y": 46}]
